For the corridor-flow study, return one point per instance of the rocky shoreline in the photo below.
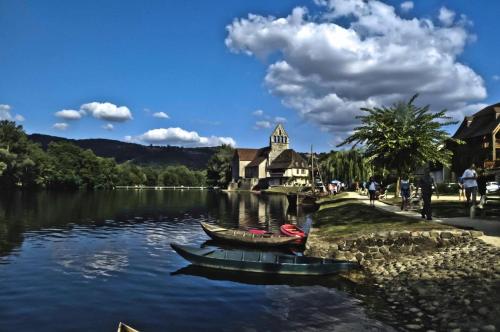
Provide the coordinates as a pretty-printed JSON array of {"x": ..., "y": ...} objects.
[{"x": 429, "y": 281}]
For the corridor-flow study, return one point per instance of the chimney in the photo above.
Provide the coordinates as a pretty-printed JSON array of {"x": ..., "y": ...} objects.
[{"x": 469, "y": 120}]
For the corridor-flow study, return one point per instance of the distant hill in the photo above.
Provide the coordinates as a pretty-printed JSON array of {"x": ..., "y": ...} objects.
[{"x": 195, "y": 158}]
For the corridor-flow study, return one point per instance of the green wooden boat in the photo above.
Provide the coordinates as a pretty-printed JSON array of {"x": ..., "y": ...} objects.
[
  {"x": 261, "y": 262},
  {"x": 246, "y": 237}
]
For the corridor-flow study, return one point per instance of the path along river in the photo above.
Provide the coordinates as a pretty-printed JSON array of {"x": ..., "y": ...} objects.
[{"x": 84, "y": 261}]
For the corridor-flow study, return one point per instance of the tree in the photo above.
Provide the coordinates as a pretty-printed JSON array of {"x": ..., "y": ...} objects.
[
  {"x": 219, "y": 167},
  {"x": 15, "y": 160},
  {"x": 347, "y": 166},
  {"x": 403, "y": 137}
]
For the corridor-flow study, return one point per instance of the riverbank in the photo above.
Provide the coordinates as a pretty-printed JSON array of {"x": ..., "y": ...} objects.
[{"x": 431, "y": 276}]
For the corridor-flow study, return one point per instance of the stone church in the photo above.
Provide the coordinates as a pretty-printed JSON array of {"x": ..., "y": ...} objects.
[{"x": 274, "y": 165}]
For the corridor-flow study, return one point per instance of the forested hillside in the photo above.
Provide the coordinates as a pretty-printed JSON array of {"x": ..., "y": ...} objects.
[{"x": 193, "y": 158}]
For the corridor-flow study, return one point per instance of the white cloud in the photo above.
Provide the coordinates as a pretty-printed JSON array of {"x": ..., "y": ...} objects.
[
  {"x": 161, "y": 115},
  {"x": 128, "y": 138},
  {"x": 60, "y": 126},
  {"x": 262, "y": 124},
  {"x": 279, "y": 119},
  {"x": 446, "y": 16},
  {"x": 496, "y": 77},
  {"x": 327, "y": 70},
  {"x": 108, "y": 126},
  {"x": 179, "y": 136},
  {"x": 107, "y": 111},
  {"x": 6, "y": 115},
  {"x": 258, "y": 113},
  {"x": 19, "y": 118},
  {"x": 406, "y": 6},
  {"x": 70, "y": 114}
]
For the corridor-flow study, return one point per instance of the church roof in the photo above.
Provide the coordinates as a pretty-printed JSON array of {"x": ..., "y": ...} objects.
[
  {"x": 288, "y": 159},
  {"x": 481, "y": 123},
  {"x": 246, "y": 154},
  {"x": 260, "y": 156}
]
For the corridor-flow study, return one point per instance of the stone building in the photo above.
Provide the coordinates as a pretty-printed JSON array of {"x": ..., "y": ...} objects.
[
  {"x": 274, "y": 165},
  {"x": 480, "y": 132}
]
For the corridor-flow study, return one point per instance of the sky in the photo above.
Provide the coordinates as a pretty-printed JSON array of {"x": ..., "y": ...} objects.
[{"x": 205, "y": 73}]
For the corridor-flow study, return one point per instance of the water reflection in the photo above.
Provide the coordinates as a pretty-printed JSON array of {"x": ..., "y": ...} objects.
[{"x": 74, "y": 252}]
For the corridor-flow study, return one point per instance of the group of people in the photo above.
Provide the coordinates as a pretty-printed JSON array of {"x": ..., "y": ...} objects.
[
  {"x": 335, "y": 187},
  {"x": 426, "y": 185}
]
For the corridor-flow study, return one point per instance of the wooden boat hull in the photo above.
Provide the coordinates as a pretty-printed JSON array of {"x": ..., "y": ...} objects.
[
  {"x": 261, "y": 262},
  {"x": 246, "y": 238},
  {"x": 293, "y": 231}
]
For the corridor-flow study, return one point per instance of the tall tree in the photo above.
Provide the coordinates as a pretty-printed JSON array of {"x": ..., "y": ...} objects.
[
  {"x": 403, "y": 137},
  {"x": 348, "y": 166},
  {"x": 219, "y": 167},
  {"x": 15, "y": 159}
]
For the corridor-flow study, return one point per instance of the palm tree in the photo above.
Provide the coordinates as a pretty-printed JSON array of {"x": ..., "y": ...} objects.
[{"x": 403, "y": 137}]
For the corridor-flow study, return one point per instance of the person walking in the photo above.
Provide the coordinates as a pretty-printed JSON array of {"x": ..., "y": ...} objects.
[
  {"x": 404, "y": 187},
  {"x": 372, "y": 188},
  {"x": 426, "y": 185},
  {"x": 481, "y": 188},
  {"x": 470, "y": 184}
]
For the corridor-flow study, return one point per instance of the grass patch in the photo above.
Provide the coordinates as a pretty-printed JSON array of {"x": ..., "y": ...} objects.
[{"x": 345, "y": 217}]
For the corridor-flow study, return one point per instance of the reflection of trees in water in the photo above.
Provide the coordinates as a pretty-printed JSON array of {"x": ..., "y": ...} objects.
[{"x": 22, "y": 212}]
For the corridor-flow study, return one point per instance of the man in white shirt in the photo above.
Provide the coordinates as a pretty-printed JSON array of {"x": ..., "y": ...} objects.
[{"x": 470, "y": 184}]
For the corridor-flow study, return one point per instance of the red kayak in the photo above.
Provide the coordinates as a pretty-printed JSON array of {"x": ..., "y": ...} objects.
[
  {"x": 257, "y": 231},
  {"x": 293, "y": 230}
]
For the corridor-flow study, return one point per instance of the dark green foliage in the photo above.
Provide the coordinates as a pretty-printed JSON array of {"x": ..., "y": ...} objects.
[
  {"x": 403, "y": 137},
  {"x": 193, "y": 158},
  {"x": 67, "y": 166},
  {"x": 346, "y": 166},
  {"x": 219, "y": 167},
  {"x": 16, "y": 164}
]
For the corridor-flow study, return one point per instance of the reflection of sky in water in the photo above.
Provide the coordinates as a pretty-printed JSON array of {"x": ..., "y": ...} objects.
[{"x": 91, "y": 263}]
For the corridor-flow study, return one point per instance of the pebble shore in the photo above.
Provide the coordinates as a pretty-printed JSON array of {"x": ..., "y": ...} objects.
[{"x": 429, "y": 281}]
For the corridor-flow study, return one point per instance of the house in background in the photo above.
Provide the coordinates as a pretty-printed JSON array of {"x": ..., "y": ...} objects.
[
  {"x": 274, "y": 165},
  {"x": 480, "y": 132}
]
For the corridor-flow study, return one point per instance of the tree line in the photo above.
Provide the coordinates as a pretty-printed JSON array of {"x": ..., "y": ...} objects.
[{"x": 64, "y": 165}]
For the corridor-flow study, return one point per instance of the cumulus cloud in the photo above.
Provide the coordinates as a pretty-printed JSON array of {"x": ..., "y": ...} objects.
[
  {"x": 5, "y": 114},
  {"x": 60, "y": 126},
  {"x": 446, "y": 16},
  {"x": 161, "y": 115},
  {"x": 262, "y": 124},
  {"x": 70, "y": 114},
  {"x": 179, "y": 136},
  {"x": 107, "y": 111},
  {"x": 279, "y": 119},
  {"x": 359, "y": 54},
  {"x": 406, "y": 6},
  {"x": 496, "y": 77},
  {"x": 258, "y": 113},
  {"x": 108, "y": 126}
]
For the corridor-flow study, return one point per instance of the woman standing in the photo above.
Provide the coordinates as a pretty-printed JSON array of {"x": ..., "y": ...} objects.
[{"x": 372, "y": 188}]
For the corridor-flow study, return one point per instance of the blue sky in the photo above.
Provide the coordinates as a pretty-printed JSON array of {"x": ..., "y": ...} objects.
[{"x": 311, "y": 65}]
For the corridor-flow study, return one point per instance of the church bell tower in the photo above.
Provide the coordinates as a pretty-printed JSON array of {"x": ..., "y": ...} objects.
[{"x": 278, "y": 142}]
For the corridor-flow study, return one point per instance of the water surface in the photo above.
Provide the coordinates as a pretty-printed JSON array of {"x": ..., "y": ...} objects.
[{"x": 87, "y": 260}]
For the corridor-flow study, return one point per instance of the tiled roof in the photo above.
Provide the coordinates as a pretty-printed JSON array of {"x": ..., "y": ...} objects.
[
  {"x": 256, "y": 162},
  {"x": 288, "y": 159},
  {"x": 246, "y": 154},
  {"x": 483, "y": 123}
]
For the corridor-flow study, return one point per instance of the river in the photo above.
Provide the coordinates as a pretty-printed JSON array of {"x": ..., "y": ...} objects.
[{"x": 84, "y": 261}]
